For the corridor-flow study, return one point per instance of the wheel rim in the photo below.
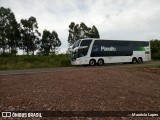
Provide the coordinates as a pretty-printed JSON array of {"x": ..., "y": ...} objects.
[
  {"x": 100, "y": 62},
  {"x": 92, "y": 62},
  {"x": 139, "y": 60},
  {"x": 134, "y": 61}
]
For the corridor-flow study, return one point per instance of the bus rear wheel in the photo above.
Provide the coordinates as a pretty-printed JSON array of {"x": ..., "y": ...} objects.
[
  {"x": 100, "y": 62},
  {"x": 134, "y": 60},
  {"x": 92, "y": 62},
  {"x": 140, "y": 60}
]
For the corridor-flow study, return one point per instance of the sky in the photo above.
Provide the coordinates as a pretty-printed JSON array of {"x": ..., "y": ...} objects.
[{"x": 114, "y": 19}]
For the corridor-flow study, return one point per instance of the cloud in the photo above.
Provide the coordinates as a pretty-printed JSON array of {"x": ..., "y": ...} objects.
[{"x": 115, "y": 19}]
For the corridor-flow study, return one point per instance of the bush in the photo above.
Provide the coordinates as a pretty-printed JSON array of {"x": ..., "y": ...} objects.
[
  {"x": 6, "y": 54},
  {"x": 156, "y": 56},
  {"x": 8, "y": 62},
  {"x": 155, "y": 49},
  {"x": 65, "y": 62}
]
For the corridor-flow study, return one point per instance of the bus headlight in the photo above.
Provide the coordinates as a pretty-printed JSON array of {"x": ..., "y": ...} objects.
[{"x": 77, "y": 62}]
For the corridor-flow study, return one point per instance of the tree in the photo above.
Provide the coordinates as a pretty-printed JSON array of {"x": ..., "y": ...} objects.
[
  {"x": 14, "y": 38},
  {"x": 50, "y": 42},
  {"x": 56, "y": 43},
  {"x": 30, "y": 35},
  {"x": 74, "y": 33},
  {"x": 10, "y": 33},
  {"x": 45, "y": 43},
  {"x": 155, "y": 49},
  {"x": 84, "y": 30},
  {"x": 94, "y": 32},
  {"x": 81, "y": 31}
]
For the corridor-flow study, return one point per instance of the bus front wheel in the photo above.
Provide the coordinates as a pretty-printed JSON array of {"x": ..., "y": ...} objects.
[{"x": 92, "y": 62}]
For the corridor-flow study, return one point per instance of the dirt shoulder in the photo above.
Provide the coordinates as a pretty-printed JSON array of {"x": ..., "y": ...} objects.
[{"x": 97, "y": 89}]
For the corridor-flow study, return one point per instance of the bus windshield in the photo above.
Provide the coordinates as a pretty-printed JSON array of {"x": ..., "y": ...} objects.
[
  {"x": 82, "y": 48},
  {"x": 76, "y": 44},
  {"x": 86, "y": 42},
  {"x": 81, "y": 52}
]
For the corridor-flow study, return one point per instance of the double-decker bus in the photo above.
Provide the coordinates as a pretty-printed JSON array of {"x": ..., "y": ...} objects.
[{"x": 93, "y": 51}]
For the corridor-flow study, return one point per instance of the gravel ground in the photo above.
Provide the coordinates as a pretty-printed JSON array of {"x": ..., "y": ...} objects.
[{"x": 97, "y": 89}]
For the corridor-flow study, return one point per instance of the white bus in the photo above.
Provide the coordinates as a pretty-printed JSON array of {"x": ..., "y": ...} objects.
[{"x": 97, "y": 51}]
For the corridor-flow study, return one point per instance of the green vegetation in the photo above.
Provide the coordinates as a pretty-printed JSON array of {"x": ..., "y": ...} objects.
[
  {"x": 30, "y": 37},
  {"x": 81, "y": 31},
  {"x": 50, "y": 42},
  {"x": 25, "y": 36},
  {"x": 158, "y": 66},
  {"x": 8, "y": 62},
  {"x": 155, "y": 49}
]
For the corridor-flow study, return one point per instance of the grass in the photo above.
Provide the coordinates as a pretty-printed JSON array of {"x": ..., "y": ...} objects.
[
  {"x": 158, "y": 66},
  {"x": 29, "y": 62},
  {"x": 18, "y": 62}
]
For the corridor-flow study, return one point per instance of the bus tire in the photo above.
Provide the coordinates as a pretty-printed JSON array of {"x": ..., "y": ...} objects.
[
  {"x": 100, "y": 62},
  {"x": 134, "y": 60},
  {"x": 92, "y": 62},
  {"x": 140, "y": 60}
]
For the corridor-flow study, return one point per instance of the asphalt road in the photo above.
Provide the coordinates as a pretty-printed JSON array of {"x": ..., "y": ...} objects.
[{"x": 60, "y": 69}]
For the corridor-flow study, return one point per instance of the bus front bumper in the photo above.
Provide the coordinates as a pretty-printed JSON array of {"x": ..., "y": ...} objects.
[
  {"x": 78, "y": 62},
  {"x": 75, "y": 63}
]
